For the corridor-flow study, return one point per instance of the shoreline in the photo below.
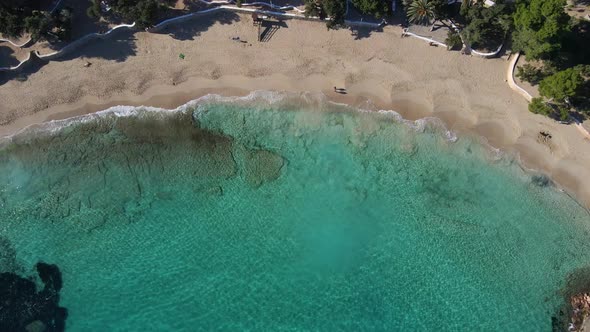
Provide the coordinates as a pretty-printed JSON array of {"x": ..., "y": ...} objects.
[{"x": 469, "y": 94}]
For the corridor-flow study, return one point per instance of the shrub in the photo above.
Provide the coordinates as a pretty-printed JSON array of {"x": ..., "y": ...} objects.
[
  {"x": 453, "y": 41},
  {"x": 94, "y": 10},
  {"x": 531, "y": 74},
  {"x": 564, "y": 114},
  {"x": 539, "y": 106}
]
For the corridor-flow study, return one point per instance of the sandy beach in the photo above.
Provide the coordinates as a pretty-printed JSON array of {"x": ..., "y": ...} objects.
[{"x": 407, "y": 75}]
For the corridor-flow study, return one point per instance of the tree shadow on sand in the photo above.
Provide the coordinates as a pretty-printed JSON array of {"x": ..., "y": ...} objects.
[
  {"x": 189, "y": 29},
  {"x": 7, "y": 58},
  {"x": 363, "y": 32},
  {"x": 117, "y": 47}
]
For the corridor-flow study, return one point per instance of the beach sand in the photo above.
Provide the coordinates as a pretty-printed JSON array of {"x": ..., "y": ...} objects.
[{"x": 407, "y": 75}]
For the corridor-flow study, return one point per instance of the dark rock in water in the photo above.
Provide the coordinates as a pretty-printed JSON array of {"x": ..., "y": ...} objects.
[
  {"x": 7, "y": 256},
  {"x": 262, "y": 166},
  {"x": 572, "y": 316},
  {"x": 22, "y": 308},
  {"x": 50, "y": 275},
  {"x": 541, "y": 181}
]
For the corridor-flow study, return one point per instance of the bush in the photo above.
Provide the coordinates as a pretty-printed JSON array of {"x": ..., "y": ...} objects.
[
  {"x": 142, "y": 12},
  {"x": 564, "y": 84},
  {"x": 531, "y": 74},
  {"x": 94, "y": 10},
  {"x": 453, "y": 41},
  {"x": 564, "y": 114},
  {"x": 377, "y": 8},
  {"x": 539, "y": 106}
]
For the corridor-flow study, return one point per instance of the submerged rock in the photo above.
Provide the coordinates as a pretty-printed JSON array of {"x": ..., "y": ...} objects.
[
  {"x": 541, "y": 181},
  {"x": 258, "y": 166},
  {"x": 574, "y": 315},
  {"x": 23, "y": 308}
]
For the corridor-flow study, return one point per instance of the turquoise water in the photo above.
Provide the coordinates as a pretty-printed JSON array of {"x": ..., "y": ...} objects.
[{"x": 285, "y": 215}]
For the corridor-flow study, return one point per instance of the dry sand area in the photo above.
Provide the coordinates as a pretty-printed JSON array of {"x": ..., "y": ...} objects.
[{"x": 404, "y": 74}]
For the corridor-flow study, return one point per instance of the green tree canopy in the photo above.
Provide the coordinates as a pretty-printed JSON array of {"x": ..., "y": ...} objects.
[
  {"x": 564, "y": 84},
  {"x": 486, "y": 26},
  {"x": 335, "y": 10},
  {"x": 143, "y": 12},
  {"x": 421, "y": 11},
  {"x": 38, "y": 24},
  {"x": 377, "y": 8},
  {"x": 538, "y": 106},
  {"x": 540, "y": 27},
  {"x": 12, "y": 16}
]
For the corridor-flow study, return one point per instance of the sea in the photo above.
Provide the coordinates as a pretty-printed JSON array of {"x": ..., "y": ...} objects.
[{"x": 285, "y": 212}]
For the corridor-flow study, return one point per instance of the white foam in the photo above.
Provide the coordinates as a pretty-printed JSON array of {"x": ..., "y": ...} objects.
[{"x": 258, "y": 98}]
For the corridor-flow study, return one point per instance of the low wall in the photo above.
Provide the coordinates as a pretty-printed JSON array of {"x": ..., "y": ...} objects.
[
  {"x": 488, "y": 55},
  {"x": 512, "y": 83},
  {"x": 186, "y": 17},
  {"x": 163, "y": 24},
  {"x": 68, "y": 48},
  {"x": 430, "y": 40},
  {"x": 528, "y": 97},
  {"x": 29, "y": 41},
  {"x": 82, "y": 41}
]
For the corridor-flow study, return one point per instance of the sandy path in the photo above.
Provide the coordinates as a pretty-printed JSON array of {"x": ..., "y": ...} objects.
[{"x": 470, "y": 94}]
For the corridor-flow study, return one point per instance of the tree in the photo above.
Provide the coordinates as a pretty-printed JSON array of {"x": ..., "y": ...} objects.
[
  {"x": 12, "y": 16},
  {"x": 10, "y": 23},
  {"x": 377, "y": 8},
  {"x": 94, "y": 9},
  {"x": 453, "y": 40},
  {"x": 420, "y": 11},
  {"x": 539, "y": 106},
  {"x": 143, "y": 12},
  {"x": 486, "y": 26},
  {"x": 564, "y": 84},
  {"x": 39, "y": 24},
  {"x": 540, "y": 27},
  {"x": 531, "y": 74},
  {"x": 335, "y": 10},
  {"x": 63, "y": 23}
]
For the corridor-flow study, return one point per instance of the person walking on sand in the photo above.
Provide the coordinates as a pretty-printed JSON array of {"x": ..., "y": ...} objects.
[{"x": 340, "y": 90}]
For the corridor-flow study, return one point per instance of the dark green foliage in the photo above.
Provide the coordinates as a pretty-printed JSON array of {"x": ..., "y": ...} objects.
[
  {"x": 428, "y": 11},
  {"x": 540, "y": 27},
  {"x": 377, "y": 8},
  {"x": 486, "y": 26},
  {"x": 63, "y": 23},
  {"x": 313, "y": 9},
  {"x": 442, "y": 9},
  {"x": 564, "y": 114},
  {"x": 11, "y": 24},
  {"x": 453, "y": 41},
  {"x": 335, "y": 10},
  {"x": 12, "y": 16},
  {"x": 531, "y": 74},
  {"x": 538, "y": 106},
  {"x": 94, "y": 10},
  {"x": 420, "y": 11},
  {"x": 564, "y": 84},
  {"x": 143, "y": 12},
  {"x": 575, "y": 45},
  {"x": 39, "y": 24}
]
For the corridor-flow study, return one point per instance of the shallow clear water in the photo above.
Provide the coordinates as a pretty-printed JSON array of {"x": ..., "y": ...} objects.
[{"x": 249, "y": 216}]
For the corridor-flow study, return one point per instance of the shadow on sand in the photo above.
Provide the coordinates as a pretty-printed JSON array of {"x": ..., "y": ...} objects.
[
  {"x": 118, "y": 47},
  {"x": 7, "y": 58},
  {"x": 269, "y": 28},
  {"x": 188, "y": 30}
]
